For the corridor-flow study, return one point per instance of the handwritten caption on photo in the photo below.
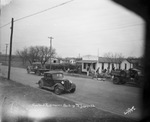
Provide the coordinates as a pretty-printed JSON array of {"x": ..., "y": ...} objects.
[
  {"x": 81, "y": 106},
  {"x": 129, "y": 110}
]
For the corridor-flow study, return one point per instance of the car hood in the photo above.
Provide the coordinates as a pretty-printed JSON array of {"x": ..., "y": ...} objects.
[{"x": 64, "y": 79}]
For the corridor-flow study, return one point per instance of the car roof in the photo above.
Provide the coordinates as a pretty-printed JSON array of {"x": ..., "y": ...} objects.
[{"x": 53, "y": 72}]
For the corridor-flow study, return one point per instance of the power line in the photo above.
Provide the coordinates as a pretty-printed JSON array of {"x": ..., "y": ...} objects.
[
  {"x": 109, "y": 29},
  {"x": 123, "y": 27},
  {"x": 43, "y": 10},
  {"x": 38, "y": 12},
  {"x": 5, "y": 25}
]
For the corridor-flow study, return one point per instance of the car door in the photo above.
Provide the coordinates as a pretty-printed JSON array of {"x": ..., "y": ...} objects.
[{"x": 49, "y": 80}]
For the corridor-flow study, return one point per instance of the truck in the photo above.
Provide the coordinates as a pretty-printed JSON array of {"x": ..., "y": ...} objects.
[
  {"x": 37, "y": 68},
  {"x": 132, "y": 75}
]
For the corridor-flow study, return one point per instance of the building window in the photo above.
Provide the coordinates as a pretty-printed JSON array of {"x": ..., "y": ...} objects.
[
  {"x": 94, "y": 65},
  {"x": 125, "y": 66},
  {"x": 112, "y": 66},
  {"x": 54, "y": 61},
  {"x": 102, "y": 66},
  {"x": 108, "y": 65},
  {"x": 84, "y": 65}
]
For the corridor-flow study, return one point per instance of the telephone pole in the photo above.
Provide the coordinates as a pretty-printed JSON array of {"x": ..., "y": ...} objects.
[
  {"x": 10, "y": 50},
  {"x": 50, "y": 49}
]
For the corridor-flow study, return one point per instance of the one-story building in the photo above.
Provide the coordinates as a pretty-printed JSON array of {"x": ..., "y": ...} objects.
[
  {"x": 126, "y": 64},
  {"x": 95, "y": 62}
]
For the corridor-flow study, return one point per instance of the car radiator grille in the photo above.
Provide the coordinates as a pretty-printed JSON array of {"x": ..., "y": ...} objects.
[{"x": 67, "y": 85}]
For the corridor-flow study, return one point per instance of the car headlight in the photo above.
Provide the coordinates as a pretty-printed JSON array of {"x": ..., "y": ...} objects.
[{"x": 62, "y": 82}]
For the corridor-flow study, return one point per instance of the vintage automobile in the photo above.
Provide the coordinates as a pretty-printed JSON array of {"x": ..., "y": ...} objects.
[
  {"x": 131, "y": 75},
  {"x": 54, "y": 80},
  {"x": 37, "y": 68}
]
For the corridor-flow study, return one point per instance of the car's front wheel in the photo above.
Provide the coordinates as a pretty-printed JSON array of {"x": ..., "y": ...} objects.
[
  {"x": 57, "y": 90},
  {"x": 73, "y": 90}
]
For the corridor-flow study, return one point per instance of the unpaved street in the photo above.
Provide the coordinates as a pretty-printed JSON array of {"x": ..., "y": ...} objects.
[{"x": 103, "y": 94}]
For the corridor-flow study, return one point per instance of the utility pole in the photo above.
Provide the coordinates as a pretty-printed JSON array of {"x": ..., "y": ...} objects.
[
  {"x": 10, "y": 50},
  {"x": 6, "y": 53},
  {"x": 50, "y": 49}
]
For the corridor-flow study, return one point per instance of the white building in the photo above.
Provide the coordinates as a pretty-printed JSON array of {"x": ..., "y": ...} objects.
[
  {"x": 95, "y": 62},
  {"x": 89, "y": 61},
  {"x": 53, "y": 60},
  {"x": 126, "y": 64}
]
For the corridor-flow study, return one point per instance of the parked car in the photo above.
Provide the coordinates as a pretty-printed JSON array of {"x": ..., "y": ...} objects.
[
  {"x": 54, "y": 80},
  {"x": 131, "y": 75},
  {"x": 37, "y": 68}
]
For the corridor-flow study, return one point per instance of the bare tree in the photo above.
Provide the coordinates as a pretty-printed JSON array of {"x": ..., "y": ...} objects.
[
  {"x": 114, "y": 57},
  {"x": 23, "y": 55},
  {"x": 44, "y": 54},
  {"x": 36, "y": 54}
]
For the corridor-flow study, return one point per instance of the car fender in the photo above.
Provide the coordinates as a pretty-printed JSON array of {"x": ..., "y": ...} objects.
[
  {"x": 60, "y": 86},
  {"x": 38, "y": 81},
  {"x": 73, "y": 86},
  {"x": 41, "y": 80}
]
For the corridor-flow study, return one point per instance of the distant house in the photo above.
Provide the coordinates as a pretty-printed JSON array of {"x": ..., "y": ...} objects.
[
  {"x": 62, "y": 60},
  {"x": 126, "y": 64},
  {"x": 53, "y": 60},
  {"x": 72, "y": 61},
  {"x": 65, "y": 60}
]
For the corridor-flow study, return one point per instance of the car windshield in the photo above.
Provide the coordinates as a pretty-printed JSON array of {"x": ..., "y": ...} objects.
[{"x": 58, "y": 75}]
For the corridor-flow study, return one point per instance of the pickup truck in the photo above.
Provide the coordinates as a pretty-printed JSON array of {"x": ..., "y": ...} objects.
[
  {"x": 36, "y": 68},
  {"x": 131, "y": 75}
]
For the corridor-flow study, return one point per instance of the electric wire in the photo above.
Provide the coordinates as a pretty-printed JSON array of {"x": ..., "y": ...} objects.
[
  {"x": 38, "y": 12},
  {"x": 119, "y": 27}
]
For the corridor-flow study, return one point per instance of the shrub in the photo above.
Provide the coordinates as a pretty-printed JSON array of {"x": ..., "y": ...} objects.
[{"x": 64, "y": 66}]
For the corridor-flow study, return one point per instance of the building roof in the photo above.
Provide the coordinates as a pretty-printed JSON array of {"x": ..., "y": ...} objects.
[
  {"x": 109, "y": 60},
  {"x": 87, "y": 61},
  {"x": 134, "y": 61},
  {"x": 102, "y": 60}
]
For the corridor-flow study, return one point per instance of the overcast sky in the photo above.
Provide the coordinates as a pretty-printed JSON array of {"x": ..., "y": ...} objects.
[{"x": 80, "y": 27}]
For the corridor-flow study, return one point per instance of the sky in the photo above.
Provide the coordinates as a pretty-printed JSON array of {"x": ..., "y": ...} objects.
[{"x": 80, "y": 27}]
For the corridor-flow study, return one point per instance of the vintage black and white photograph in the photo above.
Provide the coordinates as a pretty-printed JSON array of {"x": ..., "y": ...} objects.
[{"x": 74, "y": 61}]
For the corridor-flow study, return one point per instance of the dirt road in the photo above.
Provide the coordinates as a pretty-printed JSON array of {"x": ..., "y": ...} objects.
[{"x": 118, "y": 99}]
